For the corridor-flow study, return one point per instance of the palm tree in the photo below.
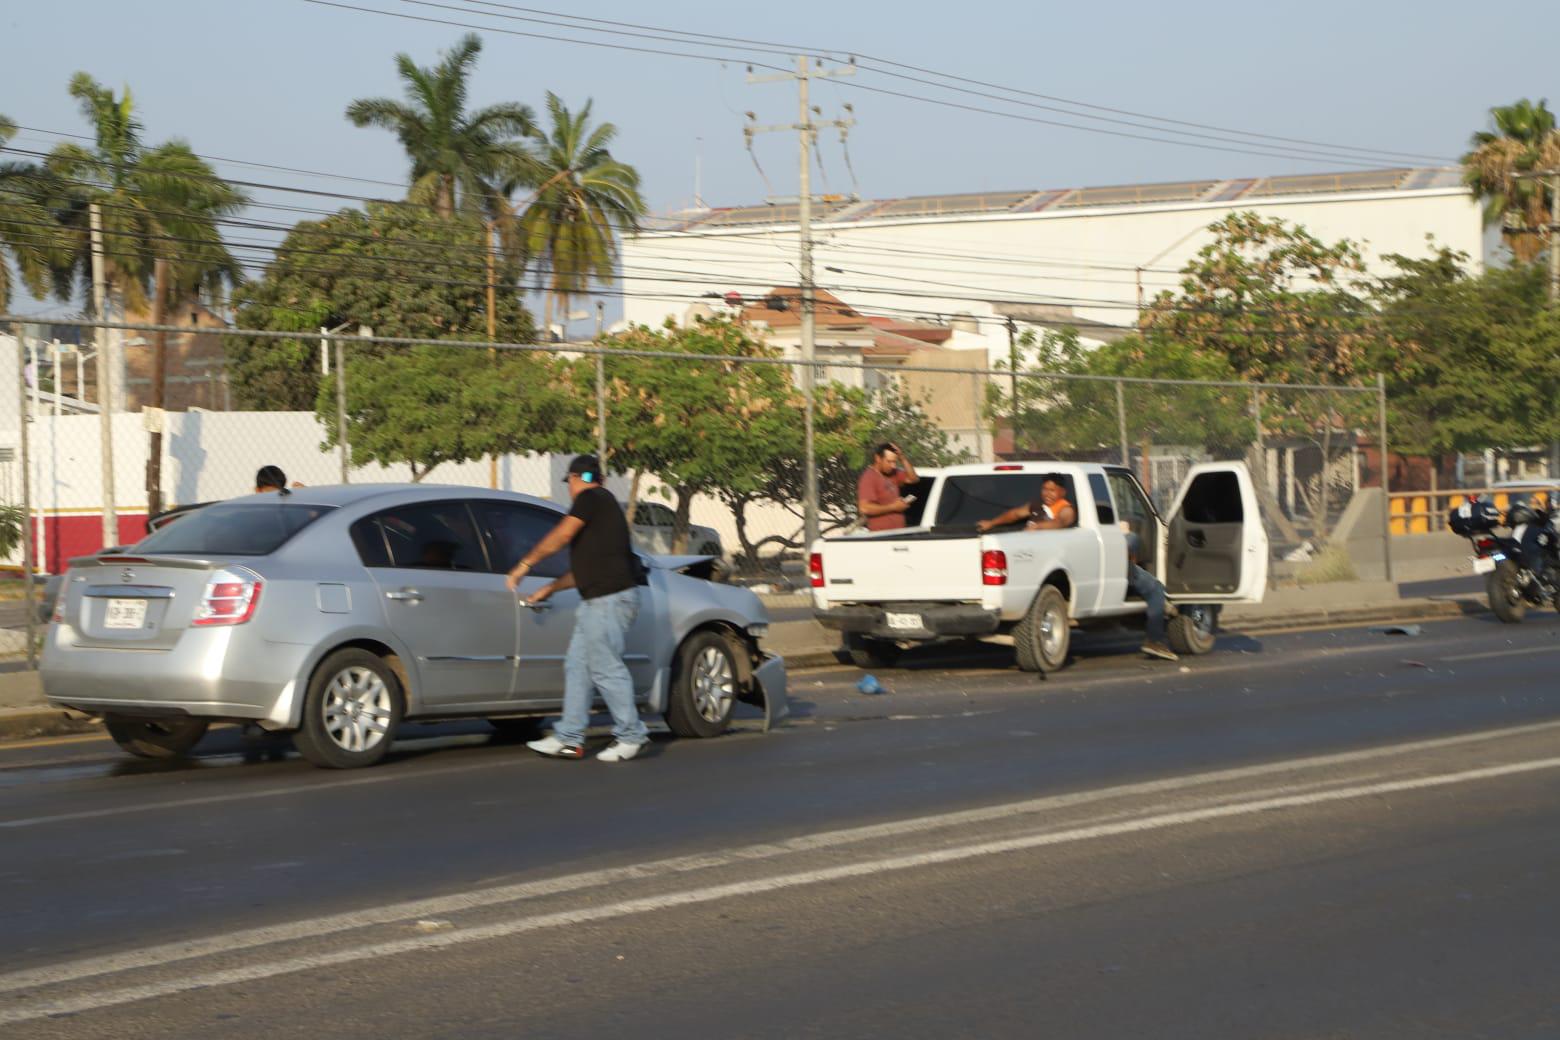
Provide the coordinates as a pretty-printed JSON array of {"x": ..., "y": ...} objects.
[
  {"x": 28, "y": 234},
  {"x": 155, "y": 202},
  {"x": 1524, "y": 141},
  {"x": 457, "y": 157},
  {"x": 584, "y": 199}
]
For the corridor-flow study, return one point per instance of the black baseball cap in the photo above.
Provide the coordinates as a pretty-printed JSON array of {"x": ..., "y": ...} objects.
[{"x": 586, "y": 467}]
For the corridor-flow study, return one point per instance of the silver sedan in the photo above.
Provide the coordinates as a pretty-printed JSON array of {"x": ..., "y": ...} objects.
[{"x": 337, "y": 613}]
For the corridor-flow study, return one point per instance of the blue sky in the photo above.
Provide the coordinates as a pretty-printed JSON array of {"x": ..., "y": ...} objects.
[{"x": 268, "y": 80}]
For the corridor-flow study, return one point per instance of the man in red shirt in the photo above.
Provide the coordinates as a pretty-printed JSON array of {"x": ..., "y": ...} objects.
[{"x": 877, "y": 492}]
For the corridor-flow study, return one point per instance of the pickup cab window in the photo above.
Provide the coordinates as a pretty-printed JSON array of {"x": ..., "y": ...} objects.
[{"x": 981, "y": 496}]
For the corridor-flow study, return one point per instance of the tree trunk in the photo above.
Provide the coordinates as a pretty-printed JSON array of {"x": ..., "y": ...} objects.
[
  {"x": 633, "y": 495},
  {"x": 680, "y": 521},
  {"x": 1325, "y": 495},
  {"x": 739, "y": 515}
]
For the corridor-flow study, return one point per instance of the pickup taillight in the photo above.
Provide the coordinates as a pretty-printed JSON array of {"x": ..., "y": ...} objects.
[
  {"x": 815, "y": 569},
  {"x": 993, "y": 567}
]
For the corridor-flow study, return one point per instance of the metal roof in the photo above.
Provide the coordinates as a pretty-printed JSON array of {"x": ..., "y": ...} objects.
[{"x": 1230, "y": 190}]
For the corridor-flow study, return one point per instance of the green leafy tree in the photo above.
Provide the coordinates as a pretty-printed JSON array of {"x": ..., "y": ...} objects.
[
  {"x": 160, "y": 201},
  {"x": 584, "y": 198},
  {"x": 28, "y": 234},
  {"x": 1479, "y": 355},
  {"x": 402, "y": 271},
  {"x": 1080, "y": 416},
  {"x": 1277, "y": 303},
  {"x": 458, "y": 157},
  {"x": 427, "y": 405},
  {"x": 701, "y": 426},
  {"x": 1523, "y": 140}
]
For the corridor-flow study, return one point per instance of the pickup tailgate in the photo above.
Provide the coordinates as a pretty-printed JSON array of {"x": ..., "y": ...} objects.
[{"x": 898, "y": 569}]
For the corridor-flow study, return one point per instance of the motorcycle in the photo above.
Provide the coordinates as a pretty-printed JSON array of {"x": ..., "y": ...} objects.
[{"x": 1520, "y": 569}]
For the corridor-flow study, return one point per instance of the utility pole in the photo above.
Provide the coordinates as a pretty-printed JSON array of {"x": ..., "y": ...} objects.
[
  {"x": 1554, "y": 237},
  {"x": 105, "y": 380},
  {"x": 154, "y": 502},
  {"x": 601, "y": 388},
  {"x": 1012, "y": 331},
  {"x": 29, "y": 563},
  {"x": 492, "y": 331},
  {"x": 807, "y": 132}
]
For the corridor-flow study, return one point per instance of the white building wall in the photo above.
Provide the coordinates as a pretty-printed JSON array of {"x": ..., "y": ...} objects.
[{"x": 1083, "y": 258}]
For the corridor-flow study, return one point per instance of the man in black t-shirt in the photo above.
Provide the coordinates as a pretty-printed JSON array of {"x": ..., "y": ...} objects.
[{"x": 603, "y": 567}]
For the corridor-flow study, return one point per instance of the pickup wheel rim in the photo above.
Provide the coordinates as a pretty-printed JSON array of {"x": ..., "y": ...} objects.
[
  {"x": 357, "y": 709},
  {"x": 1202, "y": 619},
  {"x": 1053, "y": 629},
  {"x": 713, "y": 684}
]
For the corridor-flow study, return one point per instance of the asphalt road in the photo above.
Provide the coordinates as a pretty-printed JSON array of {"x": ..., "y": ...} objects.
[{"x": 1318, "y": 834}]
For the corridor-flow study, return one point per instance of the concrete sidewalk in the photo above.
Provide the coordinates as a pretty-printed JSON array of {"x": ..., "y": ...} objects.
[{"x": 806, "y": 644}]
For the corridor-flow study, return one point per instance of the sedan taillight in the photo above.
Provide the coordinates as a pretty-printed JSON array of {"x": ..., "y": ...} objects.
[
  {"x": 993, "y": 567},
  {"x": 230, "y": 598},
  {"x": 815, "y": 569}
]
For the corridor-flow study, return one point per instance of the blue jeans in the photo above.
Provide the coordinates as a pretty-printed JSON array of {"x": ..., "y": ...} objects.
[
  {"x": 595, "y": 662},
  {"x": 1142, "y": 583}
]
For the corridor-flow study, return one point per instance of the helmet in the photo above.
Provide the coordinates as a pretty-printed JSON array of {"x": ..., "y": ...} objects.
[{"x": 1519, "y": 514}]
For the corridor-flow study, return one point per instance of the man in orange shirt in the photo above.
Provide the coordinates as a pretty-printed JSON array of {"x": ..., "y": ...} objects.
[
  {"x": 1048, "y": 513},
  {"x": 877, "y": 491}
]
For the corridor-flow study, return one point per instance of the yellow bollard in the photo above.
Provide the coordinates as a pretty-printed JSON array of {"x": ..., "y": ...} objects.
[{"x": 1397, "y": 523}]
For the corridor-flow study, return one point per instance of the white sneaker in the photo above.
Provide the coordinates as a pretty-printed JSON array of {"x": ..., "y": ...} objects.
[
  {"x": 552, "y": 747},
  {"x": 618, "y": 751}
]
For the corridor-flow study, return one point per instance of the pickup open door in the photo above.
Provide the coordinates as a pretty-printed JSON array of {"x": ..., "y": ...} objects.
[{"x": 1216, "y": 550}]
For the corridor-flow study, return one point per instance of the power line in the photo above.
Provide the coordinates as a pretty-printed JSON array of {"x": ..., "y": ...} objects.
[
  {"x": 696, "y": 38},
  {"x": 860, "y": 86}
]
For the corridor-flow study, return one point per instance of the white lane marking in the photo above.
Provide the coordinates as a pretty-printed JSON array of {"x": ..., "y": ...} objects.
[
  {"x": 756, "y": 886},
  {"x": 1502, "y": 653},
  {"x": 482, "y": 898},
  {"x": 389, "y": 776}
]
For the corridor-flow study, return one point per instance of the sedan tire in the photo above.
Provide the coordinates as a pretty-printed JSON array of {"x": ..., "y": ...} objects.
[
  {"x": 172, "y": 736},
  {"x": 350, "y": 715},
  {"x": 704, "y": 688}
]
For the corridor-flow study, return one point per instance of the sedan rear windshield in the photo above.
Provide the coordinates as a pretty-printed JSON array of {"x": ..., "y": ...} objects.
[{"x": 232, "y": 530}]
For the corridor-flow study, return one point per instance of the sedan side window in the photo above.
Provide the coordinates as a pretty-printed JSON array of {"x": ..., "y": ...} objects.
[
  {"x": 512, "y": 530},
  {"x": 429, "y": 536}
]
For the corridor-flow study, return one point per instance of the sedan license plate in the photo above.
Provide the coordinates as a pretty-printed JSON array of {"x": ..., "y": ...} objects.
[
  {"x": 125, "y": 613},
  {"x": 1483, "y": 565},
  {"x": 903, "y": 621}
]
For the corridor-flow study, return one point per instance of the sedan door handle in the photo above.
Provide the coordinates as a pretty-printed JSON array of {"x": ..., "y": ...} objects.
[
  {"x": 405, "y": 596},
  {"x": 535, "y": 607},
  {"x": 1196, "y": 539}
]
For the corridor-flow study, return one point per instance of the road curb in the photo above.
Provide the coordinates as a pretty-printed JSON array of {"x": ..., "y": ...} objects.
[{"x": 29, "y": 723}]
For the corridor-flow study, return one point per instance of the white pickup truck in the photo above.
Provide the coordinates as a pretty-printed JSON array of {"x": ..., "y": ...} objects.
[{"x": 942, "y": 579}]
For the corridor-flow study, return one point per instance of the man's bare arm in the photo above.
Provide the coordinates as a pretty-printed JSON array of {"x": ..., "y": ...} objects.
[
  {"x": 1012, "y": 516},
  {"x": 565, "y": 582},
  {"x": 558, "y": 538}
]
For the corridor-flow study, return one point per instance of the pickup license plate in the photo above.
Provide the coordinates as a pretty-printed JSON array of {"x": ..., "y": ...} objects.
[
  {"x": 903, "y": 620},
  {"x": 1483, "y": 565},
  {"x": 125, "y": 613}
]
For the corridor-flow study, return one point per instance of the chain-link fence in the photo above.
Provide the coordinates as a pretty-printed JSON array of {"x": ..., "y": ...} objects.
[{"x": 707, "y": 449}]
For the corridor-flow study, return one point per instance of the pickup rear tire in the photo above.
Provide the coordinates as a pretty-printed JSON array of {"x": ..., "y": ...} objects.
[
  {"x": 1194, "y": 630},
  {"x": 1042, "y": 637},
  {"x": 866, "y": 652}
]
